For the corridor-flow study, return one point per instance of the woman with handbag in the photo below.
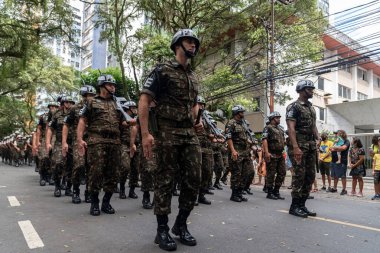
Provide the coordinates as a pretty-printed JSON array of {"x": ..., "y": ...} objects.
[{"x": 358, "y": 170}]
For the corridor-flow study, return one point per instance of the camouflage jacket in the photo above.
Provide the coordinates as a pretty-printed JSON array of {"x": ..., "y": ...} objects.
[
  {"x": 236, "y": 132},
  {"x": 56, "y": 124},
  {"x": 304, "y": 116},
  {"x": 103, "y": 120},
  {"x": 275, "y": 138},
  {"x": 174, "y": 89},
  {"x": 72, "y": 119}
]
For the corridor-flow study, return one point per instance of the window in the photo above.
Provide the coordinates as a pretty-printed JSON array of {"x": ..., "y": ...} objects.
[
  {"x": 321, "y": 114},
  {"x": 344, "y": 92},
  {"x": 362, "y": 75},
  {"x": 343, "y": 65},
  {"x": 378, "y": 82},
  {"x": 77, "y": 64},
  {"x": 362, "y": 96},
  {"x": 321, "y": 83}
]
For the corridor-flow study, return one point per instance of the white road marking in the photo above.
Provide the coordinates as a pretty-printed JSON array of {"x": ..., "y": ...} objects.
[
  {"x": 3, "y": 186},
  {"x": 31, "y": 237},
  {"x": 13, "y": 201},
  {"x": 338, "y": 222}
]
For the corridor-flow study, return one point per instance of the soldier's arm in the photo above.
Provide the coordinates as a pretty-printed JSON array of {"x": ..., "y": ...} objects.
[
  {"x": 134, "y": 131},
  {"x": 147, "y": 138},
  {"x": 292, "y": 132}
]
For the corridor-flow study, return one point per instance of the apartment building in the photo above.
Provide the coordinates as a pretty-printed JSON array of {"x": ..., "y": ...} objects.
[{"x": 347, "y": 86}]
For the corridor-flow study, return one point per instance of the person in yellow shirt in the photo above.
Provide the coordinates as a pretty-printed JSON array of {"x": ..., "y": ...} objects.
[
  {"x": 376, "y": 173},
  {"x": 325, "y": 160}
]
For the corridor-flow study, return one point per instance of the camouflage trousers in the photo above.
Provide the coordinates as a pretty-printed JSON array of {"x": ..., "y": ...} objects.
[
  {"x": 61, "y": 166},
  {"x": 184, "y": 159},
  {"x": 218, "y": 166},
  {"x": 44, "y": 161},
  {"x": 79, "y": 167},
  {"x": 276, "y": 172},
  {"x": 125, "y": 164},
  {"x": 103, "y": 161},
  {"x": 147, "y": 170},
  {"x": 207, "y": 165},
  {"x": 304, "y": 173},
  {"x": 241, "y": 171},
  {"x": 134, "y": 171}
]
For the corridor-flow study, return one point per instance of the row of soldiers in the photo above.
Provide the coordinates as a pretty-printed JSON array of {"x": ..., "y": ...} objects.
[
  {"x": 175, "y": 141},
  {"x": 16, "y": 149}
]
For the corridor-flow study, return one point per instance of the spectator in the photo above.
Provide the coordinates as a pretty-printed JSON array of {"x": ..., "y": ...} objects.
[
  {"x": 375, "y": 145},
  {"x": 325, "y": 161},
  {"x": 339, "y": 170},
  {"x": 289, "y": 165},
  {"x": 356, "y": 157},
  {"x": 376, "y": 170}
]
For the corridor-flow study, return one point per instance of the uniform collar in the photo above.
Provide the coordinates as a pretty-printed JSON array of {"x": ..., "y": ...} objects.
[
  {"x": 307, "y": 103},
  {"x": 176, "y": 64}
]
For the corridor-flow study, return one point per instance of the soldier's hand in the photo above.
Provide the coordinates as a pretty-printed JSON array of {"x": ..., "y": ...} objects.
[
  {"x": 297, "y": 155},
  {"x": 38, "y": 145},
  {"x": 148, "y": 143},
  {"x": 133, "y": 151},
  {"x": 65, "y": 149},
  {"x": 234, "y": 155},
  {"x": 82, "y": 145},
  {"x": 198, "y": 127},
  {"x": 267, "y": 156},
  {"x": 132, "y": 122},
  {"x": 48, "y": 148}
]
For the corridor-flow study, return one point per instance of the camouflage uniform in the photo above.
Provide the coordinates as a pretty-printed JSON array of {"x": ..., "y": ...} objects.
[
  {"x": 79, "y": 162},
  {"x": 61, "y": 166},
  {"x": 43, "y": 157},
  {"x": 304, "y": 173},
  {"x": 241, "y": 169},
  {"x": 103, "y": 154},
  {"x": 218, "y": 161},
  {"x": 125, "y": 165},
  {"x": 276, "y": 170},
  {"x": 207, "y": 161},
  {"x": 175, "y": 90}
]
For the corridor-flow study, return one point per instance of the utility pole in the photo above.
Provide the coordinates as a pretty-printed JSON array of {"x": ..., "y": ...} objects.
[{"x": 271, "y": 89}]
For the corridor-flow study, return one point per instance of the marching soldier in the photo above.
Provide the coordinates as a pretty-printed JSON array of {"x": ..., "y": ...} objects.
[
  {"x": 174, "y": 87},
  {"x": 273, "y": 145},
  {"x": 79, "y": 162},
  {"x": 60, "y": 165},
  {"x": 304, "y": 137},
  {"x": 239, "y": 153},
  {"x": 103, "y": 119}
]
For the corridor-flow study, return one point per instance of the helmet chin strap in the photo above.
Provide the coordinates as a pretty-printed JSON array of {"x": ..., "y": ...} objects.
[
  {"x": 188, "y": 53},
  {"x": 109, "y": 92}
]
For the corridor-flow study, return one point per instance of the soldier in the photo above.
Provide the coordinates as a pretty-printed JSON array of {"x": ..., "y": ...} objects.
[
  {"x": 239, "y": 153},
  {"x": 125, "y": 166},
  {"x": 174, "y": 87},
  {"x": 205, "y": 138},
  {"x": 29, "y": 150},
  {"x": 136, "y": 158},
  {"x": 103, "y": 144},
  {"x": 19, "y": 149},
  {"x": 61, "y": 166},
  {"x": 87, "y": 92},
  {"x": 147, "y": 167},
  {"x": 273, "y": 145},
  {"x": 304, "y": 137},
  {"x": 217, "y": 148}
]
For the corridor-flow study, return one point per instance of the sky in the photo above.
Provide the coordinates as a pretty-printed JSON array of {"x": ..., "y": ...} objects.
[{"x": 370, "y": 21}]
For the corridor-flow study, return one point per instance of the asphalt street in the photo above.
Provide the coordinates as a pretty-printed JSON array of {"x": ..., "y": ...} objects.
[{"x": 32, "y": 220}]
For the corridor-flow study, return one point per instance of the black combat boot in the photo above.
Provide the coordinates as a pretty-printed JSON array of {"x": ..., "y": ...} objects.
[
  {"x": 180, "y": 229},
  {"x": 87, "y": 197},
  {"x": 270, "y": 194},
  {"x": 296, "y": 210},
  {"x": 218, "y": 186},
  {"x": 248, "y": 191},
  {"x": 76, "y": 195},
  {"x": 57, "y": 190},
  {"x": 122, "y": 191},
  {"x": 240, "y": 194},
  {"x": 42, "y": 180},
  {"x": 202, "y": 199},
  {"x": 132, "y": 193},
  {"x": 163, "y": 238},
  {"x": 208, "y": 191},
  {"x": 276, "y": 192},
  {"x": 94, "y": 209},
  {"x": 304, "y": 208},
  {"x": 234, "y": 196},
  {"x": 68, "y": 191},
  {"x": 106, "y": 206},
  {"x": 146, "y": 201}
]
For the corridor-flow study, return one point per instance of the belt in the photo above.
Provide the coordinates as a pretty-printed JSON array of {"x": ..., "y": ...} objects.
[
  {"x": 174, "y": 123},
  {"x": 105, "y": 135},
  {"x": 305, "y": 137}
]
